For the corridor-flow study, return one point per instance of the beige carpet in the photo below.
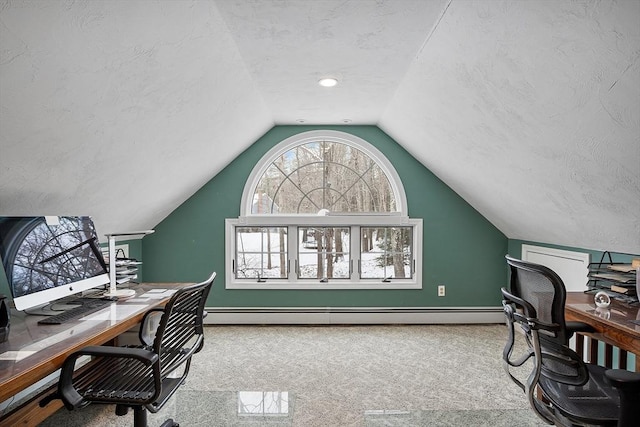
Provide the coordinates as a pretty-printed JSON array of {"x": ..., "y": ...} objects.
[{"x": 418, "y": 375}]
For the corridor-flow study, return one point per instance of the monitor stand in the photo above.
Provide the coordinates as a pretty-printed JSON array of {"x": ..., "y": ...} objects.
[{"x": 48, "y": 309}]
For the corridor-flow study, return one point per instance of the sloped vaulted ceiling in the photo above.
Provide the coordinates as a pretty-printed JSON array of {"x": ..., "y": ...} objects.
[
  {"x": 530, "y": 110},
  {"x": 118, "y": 109}
]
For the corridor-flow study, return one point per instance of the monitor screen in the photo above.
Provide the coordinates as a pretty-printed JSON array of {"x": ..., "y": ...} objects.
[{"x": 48, "y": 258}]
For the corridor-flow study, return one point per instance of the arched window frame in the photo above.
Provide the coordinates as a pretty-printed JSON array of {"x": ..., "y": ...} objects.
[
  {"x": 293, "y": 221},
  {"x": 328, "y": 136}
]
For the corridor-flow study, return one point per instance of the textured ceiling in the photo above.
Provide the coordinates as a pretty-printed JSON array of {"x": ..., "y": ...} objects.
[{"x": 530, "y": 110}]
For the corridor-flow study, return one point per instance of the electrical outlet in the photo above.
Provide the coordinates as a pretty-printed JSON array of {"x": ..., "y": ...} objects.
[{"x": 441, "y": 290}]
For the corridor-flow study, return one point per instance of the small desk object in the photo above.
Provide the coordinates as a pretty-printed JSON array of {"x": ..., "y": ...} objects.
[
  {"x": 35, "y": 351},
  {"x": 113, "y": 291},
  {"x": 617, "y": 325}
]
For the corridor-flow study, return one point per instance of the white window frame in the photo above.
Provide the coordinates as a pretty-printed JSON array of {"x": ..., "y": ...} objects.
[
  {"x": 355, "y": 282},
  {"x": 354, "y": 221}
]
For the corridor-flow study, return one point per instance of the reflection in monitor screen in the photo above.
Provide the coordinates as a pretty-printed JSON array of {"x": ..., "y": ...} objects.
[{"x": 48, "y": 258}]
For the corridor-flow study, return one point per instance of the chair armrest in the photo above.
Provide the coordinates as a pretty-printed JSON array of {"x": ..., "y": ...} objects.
[
  {"x": 575, "y": 326},
  {"x": 624, "y": 380},
  {"x": 71, "y": 398}
]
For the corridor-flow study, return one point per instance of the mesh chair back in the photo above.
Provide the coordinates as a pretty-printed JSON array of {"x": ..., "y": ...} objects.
[
  {"x": 544, "y": 290},
  {"x": 180, "y": 331}
]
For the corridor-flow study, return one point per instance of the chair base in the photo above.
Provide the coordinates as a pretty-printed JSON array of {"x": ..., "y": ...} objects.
[{"x": 140, "y": 414}]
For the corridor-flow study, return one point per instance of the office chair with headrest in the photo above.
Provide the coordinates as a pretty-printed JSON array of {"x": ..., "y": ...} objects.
[
  {"x": 561, "y": 388},
  {"x": 143, "y": 377}
]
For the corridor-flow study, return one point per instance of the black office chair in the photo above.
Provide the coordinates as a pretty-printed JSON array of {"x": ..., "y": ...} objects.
[
  {"x": 142, "y": 377},
  {"x": 561, "y": 388}
]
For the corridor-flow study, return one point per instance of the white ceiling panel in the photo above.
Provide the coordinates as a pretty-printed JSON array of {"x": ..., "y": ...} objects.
[
  {"x": 120, "y": 110},
  {"x": 288, "y": 45},
  {"x": 530, "y": 110}
]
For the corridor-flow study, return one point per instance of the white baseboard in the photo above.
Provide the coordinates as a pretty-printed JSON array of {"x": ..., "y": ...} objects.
[{"x": 352, "y": 315}]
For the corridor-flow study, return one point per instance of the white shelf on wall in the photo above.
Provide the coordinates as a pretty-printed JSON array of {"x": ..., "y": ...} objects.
[{"x": 122, "y": 271}]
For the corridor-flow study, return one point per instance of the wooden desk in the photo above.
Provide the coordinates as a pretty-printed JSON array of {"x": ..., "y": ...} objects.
[
  {"x": 613, "y": 327},
  {"x": 51, "y": 344}
]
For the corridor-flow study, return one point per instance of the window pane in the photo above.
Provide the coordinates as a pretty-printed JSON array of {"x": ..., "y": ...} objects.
[
  {"x": 323, "y": 175},
  {"x": 308, "y": 177},
  {"x": 263, "y": 198},
  {"x": 386, "y": 252},
  {"x": 261, "y": 252},
  {"x": 323, "y": 253},
  {"x": 382, "y": 198},
  {"x": 305, "y": 200}
]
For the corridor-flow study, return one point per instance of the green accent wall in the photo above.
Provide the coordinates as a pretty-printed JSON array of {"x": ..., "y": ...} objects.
[{"x": 462, "y": 250}]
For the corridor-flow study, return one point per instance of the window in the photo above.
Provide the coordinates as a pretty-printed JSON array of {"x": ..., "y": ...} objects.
[
  {"x": 261, "y": 253},
  {"x": 390, "y": 257},
  {"x": 323, "y": 209},
  {"x": 323, "y": 253}
]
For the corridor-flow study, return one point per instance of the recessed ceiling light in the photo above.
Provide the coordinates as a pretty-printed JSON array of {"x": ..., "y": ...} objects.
[
  {"x": 300, "y": 120},
  {"x": 346, "y": 121},
  {"x": 328, "y": 82}
]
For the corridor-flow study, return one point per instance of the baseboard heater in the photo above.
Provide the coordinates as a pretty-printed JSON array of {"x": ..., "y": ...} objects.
[{"x": 352, "y": 315}]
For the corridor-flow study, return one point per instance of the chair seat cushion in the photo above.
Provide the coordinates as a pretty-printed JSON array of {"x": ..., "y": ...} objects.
[
  {"x": 117, "y": 380},
  {"x": 595, "y": 400}
]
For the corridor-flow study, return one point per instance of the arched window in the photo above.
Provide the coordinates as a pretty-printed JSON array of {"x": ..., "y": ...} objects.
[
  {"x": 323, "y": 171},
  {"x": 323, "y": 209}
]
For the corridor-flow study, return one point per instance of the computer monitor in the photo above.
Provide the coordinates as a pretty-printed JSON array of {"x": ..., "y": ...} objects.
[{"x": 48, "y": 258}]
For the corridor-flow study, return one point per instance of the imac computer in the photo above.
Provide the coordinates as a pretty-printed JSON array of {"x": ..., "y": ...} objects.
[{"x": 49, "y": 258}]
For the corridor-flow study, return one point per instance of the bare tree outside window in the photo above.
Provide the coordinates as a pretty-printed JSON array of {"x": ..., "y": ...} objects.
[
  {"x": 320, "y": 257},
  {"x": 328, "y": 176},
  {"x": 392, "y": 253}
]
